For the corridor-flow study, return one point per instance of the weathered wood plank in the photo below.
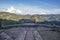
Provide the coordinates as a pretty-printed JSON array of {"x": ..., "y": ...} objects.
[
  {"x": 21, "y": 36},
  {"x": 29, "y": 36},
  {"x": 37, "y": 36},
  {"x": 5, "y": 36}
]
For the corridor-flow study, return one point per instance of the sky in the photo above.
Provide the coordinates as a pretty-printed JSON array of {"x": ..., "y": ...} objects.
[{"x": 31, "y": 6}]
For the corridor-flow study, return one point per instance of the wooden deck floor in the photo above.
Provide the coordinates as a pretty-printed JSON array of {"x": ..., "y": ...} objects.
[{"x": 29, "y": 34}]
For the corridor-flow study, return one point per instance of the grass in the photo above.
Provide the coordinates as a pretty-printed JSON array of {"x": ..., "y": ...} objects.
[{"x": 56, "y": 29}]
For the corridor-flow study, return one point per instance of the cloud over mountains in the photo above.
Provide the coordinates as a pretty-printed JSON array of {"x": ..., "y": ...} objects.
[
  {"x": 31, "y": 10},
  {"x": 26, "y": 10},
  {"x": 13, "y": 10}
]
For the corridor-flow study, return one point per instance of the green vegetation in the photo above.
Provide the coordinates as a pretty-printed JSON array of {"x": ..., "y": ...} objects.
[
  {"x": 11, "y": 18},
  {"x": 1, "y": 38},
  {"x": 14, "y": 17},
  {"x": 56, "y": 29}
]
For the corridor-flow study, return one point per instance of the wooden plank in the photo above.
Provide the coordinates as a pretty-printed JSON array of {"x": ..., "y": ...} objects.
[
  {"x": 29, "y": 36},
  {"x": 37, "y": 35},
  {"x": 21, "y": 36},
  {"x": 5, "y": 36}
]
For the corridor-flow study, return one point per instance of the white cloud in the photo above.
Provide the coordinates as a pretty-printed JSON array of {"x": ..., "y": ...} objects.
[
  {"x": 32, "y": 10},
  {"x": 13, "y": 10},
  {"x": 55, "y": 11},
  {"x": 10, "y": 9}
]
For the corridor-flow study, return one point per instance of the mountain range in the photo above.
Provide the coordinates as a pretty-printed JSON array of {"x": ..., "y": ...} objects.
[{"x": 13, "y": 16}]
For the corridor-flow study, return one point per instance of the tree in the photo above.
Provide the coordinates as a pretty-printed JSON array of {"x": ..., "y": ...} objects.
[{"x": 0, "y": 23}]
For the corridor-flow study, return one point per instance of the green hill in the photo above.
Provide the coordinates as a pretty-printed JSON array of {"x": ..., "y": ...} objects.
[
  {"x": 14, "y": 17},
  {"x": 11, "y": 16}
]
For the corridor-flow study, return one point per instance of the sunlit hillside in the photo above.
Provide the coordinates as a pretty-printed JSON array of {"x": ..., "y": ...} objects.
[
  {"x": 37, "y": 18},
  {"x": 11, "y": 16}
]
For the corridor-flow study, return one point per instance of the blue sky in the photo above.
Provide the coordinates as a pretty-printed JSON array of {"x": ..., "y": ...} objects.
[{"x": 40, "y": 4}]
